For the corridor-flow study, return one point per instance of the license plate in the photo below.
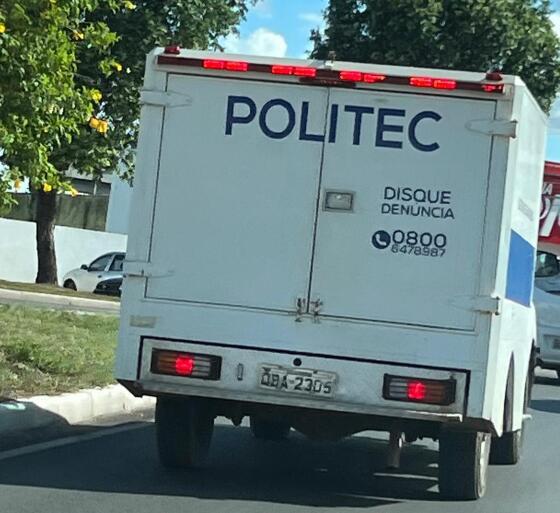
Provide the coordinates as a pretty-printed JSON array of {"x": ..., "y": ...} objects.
[{"x": 298, "y": 381}]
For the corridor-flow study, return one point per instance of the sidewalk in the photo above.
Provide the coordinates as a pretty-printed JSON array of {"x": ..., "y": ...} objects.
[
  {"x": 44, "y": 413},
  {"x": 59, "y": 302}
]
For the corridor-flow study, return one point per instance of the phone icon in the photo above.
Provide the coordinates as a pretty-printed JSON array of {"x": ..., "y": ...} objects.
[{"x": 381, "y": 239}]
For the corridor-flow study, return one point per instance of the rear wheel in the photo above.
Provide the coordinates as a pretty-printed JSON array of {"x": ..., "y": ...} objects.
[
  {"x": 463, "y": 464},
  {"x": 506, "y": 449},
  {"x": 184, "y": 430},
  {"x": 268, "y": 429},
  {"x": 69, "y": 284}
]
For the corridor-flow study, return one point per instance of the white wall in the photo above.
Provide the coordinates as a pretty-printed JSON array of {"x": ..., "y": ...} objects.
[
  {"x": 74, "y": 247},
  {"x": 118, "y": 212}
]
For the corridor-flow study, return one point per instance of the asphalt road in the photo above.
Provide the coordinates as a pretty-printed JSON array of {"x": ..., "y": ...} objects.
[{"x": 116, "y": 470}]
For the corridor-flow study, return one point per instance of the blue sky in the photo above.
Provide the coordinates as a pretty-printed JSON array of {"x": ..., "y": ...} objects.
[{"x": 281, "y": 28}]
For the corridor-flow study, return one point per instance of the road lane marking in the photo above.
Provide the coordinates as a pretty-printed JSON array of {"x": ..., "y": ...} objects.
[{"x": 61, "y": 442}]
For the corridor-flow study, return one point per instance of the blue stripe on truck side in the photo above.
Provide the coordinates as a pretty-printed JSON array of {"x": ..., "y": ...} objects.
[{"x": 521, "y": 267}]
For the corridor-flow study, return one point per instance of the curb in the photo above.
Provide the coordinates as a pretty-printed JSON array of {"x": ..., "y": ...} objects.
[
  {"x": 60, "y": 302},
  {"x": 44, "y": 411}
]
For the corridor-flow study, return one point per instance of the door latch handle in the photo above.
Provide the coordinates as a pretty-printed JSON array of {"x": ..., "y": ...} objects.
[
  {"x": 301, "y": 305},
  {"x": 316, "y": 309}
]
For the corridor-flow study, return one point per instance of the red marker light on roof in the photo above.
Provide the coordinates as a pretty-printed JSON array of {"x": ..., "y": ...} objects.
[
  {"x": 172, "y": 49},
  {"x": 282, "y": 70},
  {"x": 236, "y": 66},
  {"x": 350, "y": 76},
  {"x": 421, "y": 81},
  {"x": 213, "y": 64},
  {"x": 372, "y": 78},
  {"x": 227, "y": 65},
  {"x": 440, "y": 83},
  {"x": 494, "y": 76},
  {"x": 493, "y": 88},
  {"x": 300, "y": 71}
]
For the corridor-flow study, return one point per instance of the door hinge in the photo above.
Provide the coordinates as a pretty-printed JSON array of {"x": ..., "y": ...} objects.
[
  {"x": 144, "y": 270},
  {"x": 488, "y": 304},
  {"x": 167, "y": 99},
  {"x": 499, "y": 127}
]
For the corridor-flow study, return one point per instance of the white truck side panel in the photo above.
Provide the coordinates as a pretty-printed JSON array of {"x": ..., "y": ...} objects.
[{"x": 513, "y": 332}]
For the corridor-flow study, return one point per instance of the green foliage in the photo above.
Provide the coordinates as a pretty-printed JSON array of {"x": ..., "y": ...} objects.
[
  {"x": 65, "y": 62},
  {"x": 515, "y": 36},
  {"x": 192, "y": 23},
  {"x": 42, "y": 351},
  {"x": 42, "y": 108}
]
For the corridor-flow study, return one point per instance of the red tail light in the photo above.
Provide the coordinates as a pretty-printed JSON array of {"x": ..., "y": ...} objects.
[
  {"x": 419, "y": 390},
  {"x": 416, "y": 391},
  {"x": 184, "y": 365},
  {"x": 187, "y": 365}
]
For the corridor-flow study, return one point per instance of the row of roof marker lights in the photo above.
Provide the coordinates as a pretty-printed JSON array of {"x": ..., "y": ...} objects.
[{"x": 351, "y": 76}]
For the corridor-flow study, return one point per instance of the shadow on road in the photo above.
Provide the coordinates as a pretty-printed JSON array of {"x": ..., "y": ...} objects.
[{"x": 350, "y": 473}]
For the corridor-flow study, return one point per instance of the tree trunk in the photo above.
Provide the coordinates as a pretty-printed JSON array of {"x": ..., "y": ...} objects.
[{"x": 44, "y": 224}]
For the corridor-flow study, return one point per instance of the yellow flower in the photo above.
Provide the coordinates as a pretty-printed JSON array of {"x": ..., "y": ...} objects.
[
  {"x": 2, "y": 28},
  {"x": 94, "y": 123},
  {"x": 77, "y": 35},
  {"x": 96, "y": 95},
  {"x": 73, "y": 192},
  {"x": 17, "y": 184},
  {"x": 103, "y": 127},
  {"x": 47, "y": 187},
  {"x": 130, "y": 5},
  {"x": 118, "y": 66}
]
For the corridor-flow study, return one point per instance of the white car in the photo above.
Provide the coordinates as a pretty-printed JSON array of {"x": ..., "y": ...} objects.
[
  {"x": 547, "y": 306},
  {"x": 86, "y": 278}
]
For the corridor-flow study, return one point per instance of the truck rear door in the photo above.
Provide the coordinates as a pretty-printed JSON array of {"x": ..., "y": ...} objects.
[
  {"x": 401, "y": 217},
  {"x": 236, "y": 193}
]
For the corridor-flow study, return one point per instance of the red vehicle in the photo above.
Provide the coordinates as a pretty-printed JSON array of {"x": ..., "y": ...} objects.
[{"x": 549, "y": 233}]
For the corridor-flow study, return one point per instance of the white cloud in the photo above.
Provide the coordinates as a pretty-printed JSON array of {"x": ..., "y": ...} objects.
[
  {"x": 260, "y": 42},
  {"x": 313, "y": 18}
]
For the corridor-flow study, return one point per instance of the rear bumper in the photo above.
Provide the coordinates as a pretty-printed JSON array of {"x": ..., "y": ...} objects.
[{"x": 359, "y": 384}]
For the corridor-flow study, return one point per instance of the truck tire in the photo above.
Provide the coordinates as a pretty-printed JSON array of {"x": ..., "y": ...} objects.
[
  {"x": 269, "y": 430},
  {"x": 463, "y": 464},
  {"x": 506, "y": 449},
  {"x": 183, "y": 430}
]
